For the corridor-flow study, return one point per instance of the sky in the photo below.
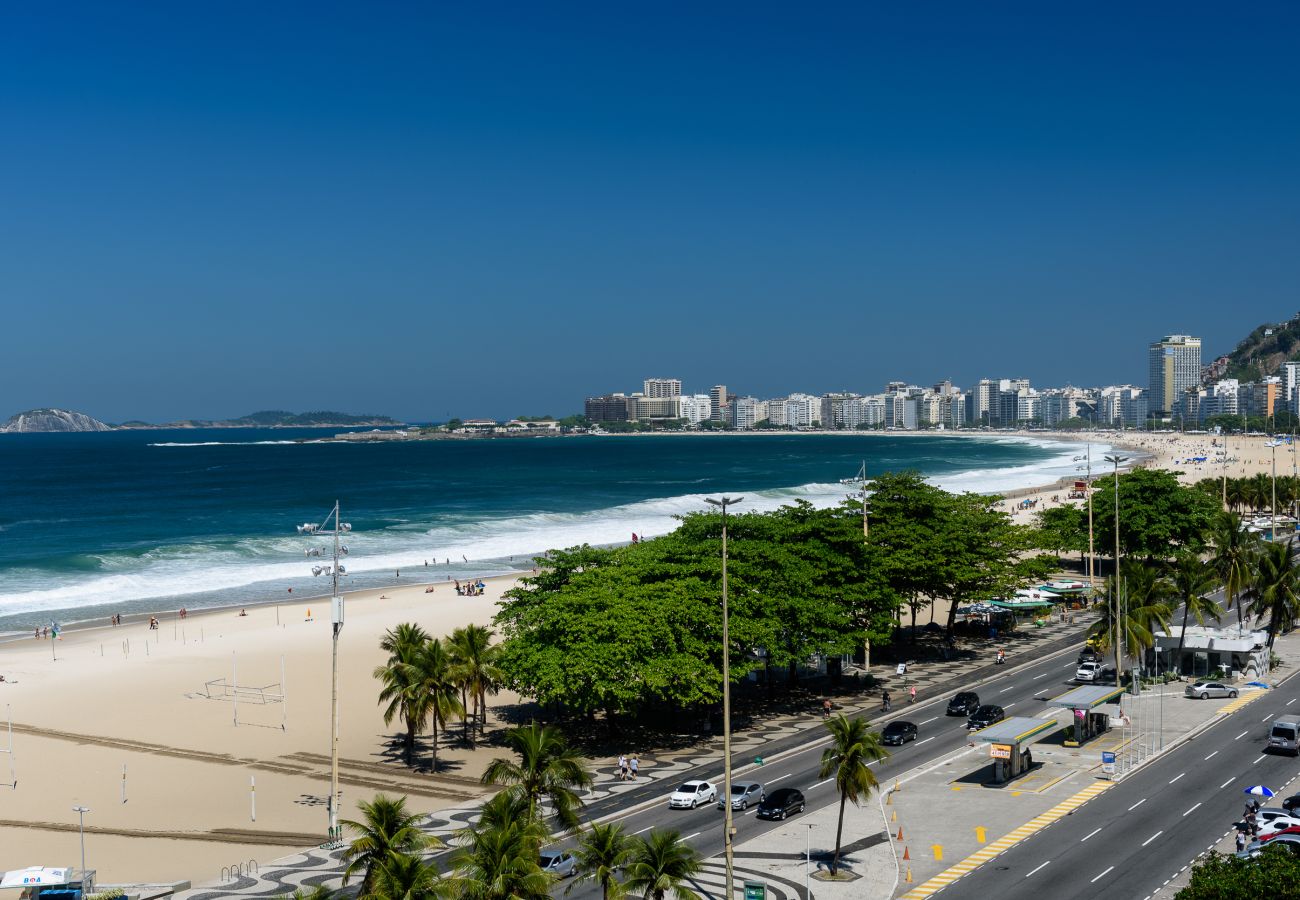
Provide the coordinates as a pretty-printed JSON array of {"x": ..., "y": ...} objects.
[{"x": 491, "y": 209}]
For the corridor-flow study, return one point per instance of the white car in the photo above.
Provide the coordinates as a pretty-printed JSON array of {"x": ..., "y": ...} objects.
[
  {"x": 1087, "y": 671},
  {"x": 693, "y": 794},
  {"x": 559, "y": 863},
  {"x": 1273, "y": 826}
]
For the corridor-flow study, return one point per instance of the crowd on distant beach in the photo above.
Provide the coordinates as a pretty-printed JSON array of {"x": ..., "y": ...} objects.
[{"x": 470, "y": 588}]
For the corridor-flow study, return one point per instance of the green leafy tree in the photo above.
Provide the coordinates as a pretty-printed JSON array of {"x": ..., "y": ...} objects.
[
  {"x": 662, "y": 864},
  {"x": 1273, "y": 873},
  {"x": 603, "y": 851},
  {"x": 1146, "y": 609},
  {"x": 436, "y": 684},
  {"x": 1158, "y": 515},
  {"x": 1063, "y": 529},
  {"x": 385, "y": 830},
  {"x": 547, "y": 769},
  {"x": 848, "y": 759},
  {"x": 1275, "y": 590},
  {"x": 1192, "y": 580}
]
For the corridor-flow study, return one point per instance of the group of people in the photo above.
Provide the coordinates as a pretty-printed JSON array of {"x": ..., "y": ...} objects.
[
  {"x": 1248, "y": 828},
  {"x": 469, "y": 588},
  {"x": 46, "y": 632},
  {"x": 628, "y": 767}
]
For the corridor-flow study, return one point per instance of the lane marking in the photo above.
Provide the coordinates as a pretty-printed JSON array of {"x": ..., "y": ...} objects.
[
  {"x": 1005, "y": 689},
  {"x": 1136, "y": 805},
  {"x": 1228, "y": 782},
  {"x": 1090, "y": 834},
  {"x": 1153, "y": 837},
  {"x": 690, "y": 837},
  {"x": 1178, "y": 776},
  {"x": 1267, "y": 717},
  {"x": 1240, "y": 736},
  {"x": 1011, "y": 704},
  {"x": 1292, "y": 700},
  {"x": 928, "y": 721},
  {"x": 1215, "y": 753},
  {"x": 820, "y": 783},
  {"x": 1193, "y": 809},
  {"x": 1102, "y": 875},
  {"x": 1040, "y": 865},
  {"x": 1035, "y": 678},
  {"x": 1257, "y": 759},
  {"x": 643, "y": 830},
  {"x": 779, "y": 777},
  {"x": 930, "y": 738}
]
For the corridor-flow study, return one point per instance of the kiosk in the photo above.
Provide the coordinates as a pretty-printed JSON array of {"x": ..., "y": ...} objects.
[
  {"x": 46, "y": 882},
  {"x": 1009, "y": 742},
  {"x": 1082, "y": 703}
]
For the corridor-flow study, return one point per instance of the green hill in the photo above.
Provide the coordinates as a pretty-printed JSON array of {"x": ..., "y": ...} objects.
[{"x": 1262, "y": 352}]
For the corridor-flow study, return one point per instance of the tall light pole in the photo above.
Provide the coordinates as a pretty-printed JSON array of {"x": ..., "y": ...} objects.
[
  {"x": 81, "y": 829},
  {"x": 1115, "y": 460},
  {"x": 1273, "y": 518},
  {"x": 729, "y": 833},
  {"x": 866, "y": 539},
  {"x": 336, "y": 621},
  {"x": 1092, "y": 554}
]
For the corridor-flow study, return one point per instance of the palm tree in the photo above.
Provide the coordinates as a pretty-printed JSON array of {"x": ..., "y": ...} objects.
[
  {"x": 319, "y": 892},
  {"x": 601, "y": 853},
  {"x": 500, "y": 859},
  {"x": 548, "y": 768},
  {"x": 401, "y": 681},
  {"x": 477, "y": 667},
  {"x": 1145, "y": 612},
  {"x": 853, "y": 748},
  {"x": 436, "y": 684},
  {"x": 661, "y": 863},
  {"x": 387, "y": 829},
  {"x": 1275, "y": 589},
  {"x": 399, "y": 642},
  {"x": 406, "y": 876},
  {"x": 1192, "y": 580},
  {"x": 1234, "y": 551}
]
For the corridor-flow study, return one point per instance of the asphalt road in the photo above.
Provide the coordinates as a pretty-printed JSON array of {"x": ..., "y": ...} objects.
[
  {"x": 1134, "y": 838},
  {"x": 1020, "y": 693}
]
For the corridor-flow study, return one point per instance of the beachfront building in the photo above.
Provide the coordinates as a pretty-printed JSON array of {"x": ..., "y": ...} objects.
[
  {"x": 658, "y": 388},
  {"x": 1056, "y": 405},
  {"x": 1122, "y": 406},
  {"x": 606, "y": 408},
  {"x": 1219, "y": 653},
  {"x": 1260, "y": 398},
  {"x": 695, "y": 408},
  {"x": 901, "y": 411},
  {"x": 1174, "y": 363},
  {"x": 1290, "y": 375},
  {"x": 718, "y": 403},
  {"x": 748, "y": 412},
  {"x": 980, "y": 402},
  {"x": 801, "y": 411},
  {"x": 835, "y": 410},
  {"x": 1220, "y": 399}
]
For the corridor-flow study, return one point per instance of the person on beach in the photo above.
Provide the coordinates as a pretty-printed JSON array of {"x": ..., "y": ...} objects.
[
  {"x": 622, "y": 768},
  {"x": 243, "y": 612}
]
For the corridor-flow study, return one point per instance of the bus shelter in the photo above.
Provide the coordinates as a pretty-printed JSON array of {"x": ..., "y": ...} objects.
[
  {"x": 1083, "y": 703},
  {"x": 1009, "y": 742}
]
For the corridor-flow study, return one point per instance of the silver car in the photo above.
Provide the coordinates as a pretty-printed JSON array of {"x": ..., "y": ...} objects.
[
  {"x": 1206, "y": 689},
  {"x": 744, "y": 793},
  {"x": 559, "y": 863}
]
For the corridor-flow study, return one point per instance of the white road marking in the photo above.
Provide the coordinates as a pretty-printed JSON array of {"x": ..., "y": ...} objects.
[
  {"x": 930, "y": 738},
  {"x": 1011, "y": 704},
  {"x": 1267, "y": 717},
  {"x": 928, "y": 721},
  {"x": 1035, "y": 678},
  {"x": 1257, "y": 759},
  {"x": 779, "y": 777},
  {"x": 1292, "y": 700},
  {"x": 1240, "y": 736},
  {"x": 1215, "y": 753},
  {"x": 1228, "y": 782},
  {"x": 1090, "y": 834},
  {"x": 1039, "y": 866},
  {"x": 1005, "y": 689},
  {"x": 1136, "y": 805},
  {"x": 1192, "y": 810},
  {"x": 1176, "y": 777},
  {"x": 820, "y": 783},
  {"x": 692, "y": 836},
  {"x": 1101, "y": 876},
  {"x": 1153, "y": 837},
  {"x": 643, "y": 830}
]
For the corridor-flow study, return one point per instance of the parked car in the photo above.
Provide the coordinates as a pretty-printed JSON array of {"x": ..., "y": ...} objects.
[
  {"x": 781, "y": 803},
  {"x": 693, "y": 794},
  {"x": 898, "y": 733},
  {"x": 1285, "y": 735},
  {"x": 1269, "y": 813},
  {"x": 1289, "y": 842},
  {"x": 985, "y": 716},
  {"x": 964, "y": 704},
  {"x": 560, "y": 863},
  {"x": 1292, "y": 804},
  {"x": 1268, "y": 829},
  {"x": 743, "y": 793},
  {"x": 1207, "y": 689}
]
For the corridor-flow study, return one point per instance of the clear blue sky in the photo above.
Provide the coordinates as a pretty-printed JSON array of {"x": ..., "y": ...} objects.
[{"x": 496, "y": 209}]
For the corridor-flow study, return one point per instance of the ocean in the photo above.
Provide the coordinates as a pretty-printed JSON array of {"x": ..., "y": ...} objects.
[{"x": 129, "y": 522}]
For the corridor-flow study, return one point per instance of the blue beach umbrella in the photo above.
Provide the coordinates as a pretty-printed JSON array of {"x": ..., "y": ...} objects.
[
  {"x": 1258, "y": 684},
  {"x": 1258, "y": 791}
]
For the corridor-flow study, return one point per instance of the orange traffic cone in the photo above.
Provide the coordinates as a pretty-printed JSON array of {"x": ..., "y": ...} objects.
[
  {"x": 900, "y": 833},
  {"x": 906, "y": 855},
  {"x": 893, "y": 816},
  {"x": 909, "y": 874}
]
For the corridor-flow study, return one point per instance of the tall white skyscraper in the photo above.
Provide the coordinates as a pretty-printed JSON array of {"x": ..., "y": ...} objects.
[
  {"x": 1175, "y": 366},
  {"x": 663, "y": 387}
]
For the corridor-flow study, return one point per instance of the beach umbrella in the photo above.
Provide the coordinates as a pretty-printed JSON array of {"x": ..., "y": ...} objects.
[
  {"x": 1258, "y": 791},
  {"x": 1258, "y": 684}
]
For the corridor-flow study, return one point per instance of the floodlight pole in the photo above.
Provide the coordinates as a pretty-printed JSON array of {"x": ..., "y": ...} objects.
[
  {"x": 336, "y": 626},
  {"x": 81, "y": 829},
  {"x": 729, "y": 832}
]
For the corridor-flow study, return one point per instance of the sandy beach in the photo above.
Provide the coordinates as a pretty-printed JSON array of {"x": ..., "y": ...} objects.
[{"x": 103, "y": 698}]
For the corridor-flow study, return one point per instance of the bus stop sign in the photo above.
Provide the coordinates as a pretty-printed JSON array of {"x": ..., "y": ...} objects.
[{"x": 755, "y": 890}]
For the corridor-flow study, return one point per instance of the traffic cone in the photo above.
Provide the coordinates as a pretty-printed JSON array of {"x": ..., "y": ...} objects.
[
  {"x": 896, "y": 784},
  {"x": 906, "y": 855},
  {"x": 909, "y": 874},
  {"x": 900, "y": 833},
  {"x": 889, "y": 798},
  {"x": 893, "y": 816}
]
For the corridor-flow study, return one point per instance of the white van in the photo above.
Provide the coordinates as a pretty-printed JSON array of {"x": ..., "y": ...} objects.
[{"x": 1285, "y": 735}]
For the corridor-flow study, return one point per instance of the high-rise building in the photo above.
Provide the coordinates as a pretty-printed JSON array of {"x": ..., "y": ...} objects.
[
  {"x": 695, "y": 408},
  {"x": 748, "y": 412},
  {"x": 663, "y": 387},
  {"x": 718, "y": 403},
  {"x": 607, "y": 408},
  {"x": 834, "y": 412},
  {"x": 1175, "y": 366},
  {"x": 981, "y": 402}
]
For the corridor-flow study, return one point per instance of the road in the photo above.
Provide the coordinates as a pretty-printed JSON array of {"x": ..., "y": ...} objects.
[{"x": 1134, "y": 838}]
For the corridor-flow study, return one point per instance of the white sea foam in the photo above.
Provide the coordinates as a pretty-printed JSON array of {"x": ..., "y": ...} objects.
[{"x": 275, "y": 562}]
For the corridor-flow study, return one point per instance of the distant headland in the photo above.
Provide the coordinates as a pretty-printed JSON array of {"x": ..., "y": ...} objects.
[{"x": 57, "y": 420}]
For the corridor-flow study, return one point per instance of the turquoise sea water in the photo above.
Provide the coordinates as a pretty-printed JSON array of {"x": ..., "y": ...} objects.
[{"x": 135, "y": 521}]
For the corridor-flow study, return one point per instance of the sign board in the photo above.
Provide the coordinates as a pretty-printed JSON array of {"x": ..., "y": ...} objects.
[
  {"x": 1108, "y": 762},
  {"x": 1000, "y": 751},
  {"x": 902, "y": 668},
  {"x": 755, "y": 890}
]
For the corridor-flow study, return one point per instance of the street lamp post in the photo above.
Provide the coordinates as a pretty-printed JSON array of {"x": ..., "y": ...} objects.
[
  {"x": 81, "y": 830},
  {"x": 336, "y": 624},
  {"x": 1118, "y": 611},
  {"x": 729, "y": 833}
]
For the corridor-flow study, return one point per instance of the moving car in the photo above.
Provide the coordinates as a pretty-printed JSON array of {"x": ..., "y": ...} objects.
[
  {"x": 898, "y": 733},
  {"x": 781, "y": 803},
  {"x": 1285, "y": 735},
  {"x": 693, "y": 794},
  {"x": 985, "y": 716},
  {"x": 560, "y": 863},
  {"x": 964, "y": 704},
  {"x": 744, "y": 793},
  {"x": 1088, "y": 672},
  {"x": 1207, "y": 689},
  {"x": 1089, "y": 655}
]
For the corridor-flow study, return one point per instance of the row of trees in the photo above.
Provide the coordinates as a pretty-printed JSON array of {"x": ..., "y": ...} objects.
[
  {"x": 498, "y": 857},
  {"x": 428, "y": 681},
  {"x": 1256, "y": 493},
  {"x": 627, "y": 629}
]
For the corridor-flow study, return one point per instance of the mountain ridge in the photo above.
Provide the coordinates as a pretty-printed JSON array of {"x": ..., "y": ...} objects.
[{"x": 51, "y": 420}]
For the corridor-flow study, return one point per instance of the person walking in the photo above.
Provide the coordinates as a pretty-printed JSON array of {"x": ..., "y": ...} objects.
[
  {"x": 911, "y": 694},
  {"x": 634, "y": 765},
  {"x": 826, "y": 708},
  {"x": 622, "y": 767},
  {"x": 884, "y": 698}
]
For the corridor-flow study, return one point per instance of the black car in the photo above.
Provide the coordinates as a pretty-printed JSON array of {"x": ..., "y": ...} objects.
[
  {"x": 964, "y": 704},
  {"x": 781, "y": 803},
  {"x": 1292, "y": 803},
  {"x": 985, "y": 716},
  {"x": 1089, "y": 655},
  {"x": 898, "y": 733}
]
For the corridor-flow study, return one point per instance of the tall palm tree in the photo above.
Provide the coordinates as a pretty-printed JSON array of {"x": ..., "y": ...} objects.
[
  {"x": 403, "y": 691},
  {"x": 1192, "y": 580},
  {"x": 1234, "y": 551},
  {"x": 661, "y": 864},
  {"x": 853, "y": 748},
  {"x": 401, "y": 641},
  {"x": 406, "y": 876},
  {"x": 547, "y": 769},
  {"x": 602, "y": 852},
  {"x": 1275, "y": 590},
  {"x": 386, "y": 829},
  {"x": 436, "y": 683},
  {"x": 1145, "y": 612},
  {"x": 319, "y": 892},
  {"x": 499, "y": 859},
  {"x": 477, "y": 667}
]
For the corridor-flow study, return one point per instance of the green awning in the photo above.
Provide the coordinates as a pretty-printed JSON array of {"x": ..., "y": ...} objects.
[{"x": 1029, "y": 604}]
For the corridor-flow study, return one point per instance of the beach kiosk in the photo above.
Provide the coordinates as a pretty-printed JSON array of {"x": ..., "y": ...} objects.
[
  {"x": 1083, "y": 703},
  {"x": 1009, "y": 742},
  {"x": 47, "y": 882}
]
